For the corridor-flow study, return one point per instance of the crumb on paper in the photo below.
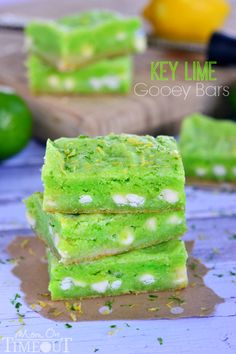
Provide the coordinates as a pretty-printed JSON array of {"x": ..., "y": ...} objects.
[
  {"x": 153, "y": 309},
  {"x": 54, "y": 312},
  {"x": 169, "y": 304},
  {"x": 42, "y": 303},
  {"x": 73, "y": 316},
  {"x": 152, "y": 297},
  {"x": 109, "y": 304},
  {"x": 193, "y": 284},
  {"x": 24, "y": 243},
  {"x": 36, "y": 307},
  {"x": 128, "y": 305},
  {"x": 31, "y": 252},
  {"x": 176, "y": 299},
  {"x": 74, "y": 306}
]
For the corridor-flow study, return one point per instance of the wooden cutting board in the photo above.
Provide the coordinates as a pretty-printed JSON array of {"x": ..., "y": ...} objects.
[{"x": 56, "y": 116}]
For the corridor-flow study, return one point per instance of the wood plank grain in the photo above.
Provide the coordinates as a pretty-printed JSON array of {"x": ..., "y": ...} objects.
[{"x": 98, "y": 115}]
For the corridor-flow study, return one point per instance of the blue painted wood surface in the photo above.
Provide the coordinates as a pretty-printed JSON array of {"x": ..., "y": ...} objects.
[{"x": 211, "y": 218}]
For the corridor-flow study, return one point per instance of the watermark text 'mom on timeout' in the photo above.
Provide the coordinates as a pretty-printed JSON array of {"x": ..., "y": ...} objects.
[{"x": 34, "y": 342}]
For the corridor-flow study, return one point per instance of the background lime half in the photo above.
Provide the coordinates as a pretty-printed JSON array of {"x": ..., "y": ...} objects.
[{"x": 15, "y": 124}]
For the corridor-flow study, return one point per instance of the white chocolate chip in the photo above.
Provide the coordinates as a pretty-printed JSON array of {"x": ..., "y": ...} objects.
[
  {"x": 175, "y": 152},
  {"x": 31, "y": 220},
  {"x": 181, "y": 276},
  {"x": 121, "y": 36},
  {"x": 69, "y": 84},
  {"x": 147, "y": 279},
  {"x": 140, "y": 41},
  {"x": 54, "y": 81},
  {"x": 85, "y": 199},
  {"x": 151, "y": 224},
  {"x": 105, "y": 310},
  {"x": 200, "y": 171},
  {"x": 64, "y": 255},
  {"x": 174, "y": 220},
  {"x": 111, "y": 82},
  {"x": 50, "y": 229},
  {"x": 169, "y": 195},
  {"x": 87, "y": 51},
  {"x": 55, "y": 236},
  {"x": 219, "y": 170},
  {"x": 50, "y": 203},
  {"x": 177, "y": 310},
  {"x": 28, "y": 43},
  {"x": 119, "y": 199},
  {"x": 56, "y": 240},
  {"x": 127, "y": 239},
  {"x": 116, "y": 284},
  {"x": 135, "y": 200},
  {"x": 66, "y": 283},
  {"x": 100, "y": 287},
  {"x": 95, "y": 83}
]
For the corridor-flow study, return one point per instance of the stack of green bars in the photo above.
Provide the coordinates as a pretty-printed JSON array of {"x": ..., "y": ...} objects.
[
  {"x": 85, "y": 53},
  {"x": 112, "y": 214}
]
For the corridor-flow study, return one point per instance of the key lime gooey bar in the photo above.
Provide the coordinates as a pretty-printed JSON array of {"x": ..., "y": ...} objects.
[
  {"x": 112, "y": 213},
  {"x": 155, "y": 268},
  {"x": 208, "y": 148},
  {"x": 105, "y": 76},
  {"x": 77, "y": 238},
  {"x": 74, "y": 41},
  {"x": 113, "y": 174}
]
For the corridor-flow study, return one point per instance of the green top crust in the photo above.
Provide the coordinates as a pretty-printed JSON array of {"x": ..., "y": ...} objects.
[
  {"x": 76, "y": 40},
  {"x": 87, "y": 20},
  {"x": 114, "y": 154},
  {"x": 114, "y": 173},
  {"x": 208, "y": 147}
]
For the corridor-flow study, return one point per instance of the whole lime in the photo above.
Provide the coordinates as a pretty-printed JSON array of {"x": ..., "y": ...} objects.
[{"x": 15, "y": 124}]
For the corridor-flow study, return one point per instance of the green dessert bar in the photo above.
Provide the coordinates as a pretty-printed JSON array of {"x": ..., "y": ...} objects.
[
  {"x": 74, "y": 41},
  {"x": 105, "y": 76},
  {"x": 208, "y": 148},
  {"x": 113, "y": 174},
  {"x": 77, "y": 238},
  {"x": 155, "y": 268}
]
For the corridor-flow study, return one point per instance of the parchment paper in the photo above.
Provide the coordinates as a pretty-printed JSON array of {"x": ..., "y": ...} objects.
[{"x": 31, "y": 268}]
